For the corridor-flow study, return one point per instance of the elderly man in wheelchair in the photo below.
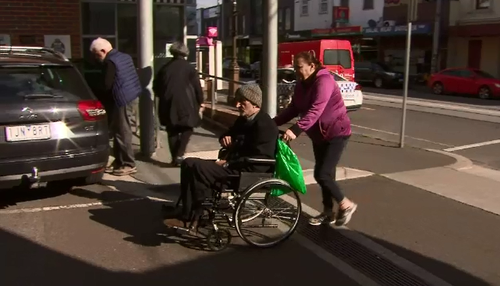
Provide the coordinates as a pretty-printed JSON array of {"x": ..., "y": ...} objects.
[{"x": 250, "y": 146}]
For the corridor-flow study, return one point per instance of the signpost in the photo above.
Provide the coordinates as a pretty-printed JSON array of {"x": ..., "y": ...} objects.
[{"x": 412, "y": 16}]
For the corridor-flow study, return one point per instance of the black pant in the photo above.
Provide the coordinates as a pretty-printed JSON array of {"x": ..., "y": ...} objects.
[
  {"x": 122, "y": 137},
  {"x": 327, "y": 155},
  {"x": 178, "y": 139},
  {"x": 198, "y": 179}
]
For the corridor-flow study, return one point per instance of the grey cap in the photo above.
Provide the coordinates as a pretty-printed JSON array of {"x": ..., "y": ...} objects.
[
  {"x": 250, "y": 92},
  {"x": 178, "y": 48}
]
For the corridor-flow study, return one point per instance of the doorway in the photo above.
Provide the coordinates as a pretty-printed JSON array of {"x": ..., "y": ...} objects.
[{"x": 474, "y": 54}]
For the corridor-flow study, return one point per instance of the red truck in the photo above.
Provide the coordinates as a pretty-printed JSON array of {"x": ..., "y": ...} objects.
[{"x": 335, "y": 55}]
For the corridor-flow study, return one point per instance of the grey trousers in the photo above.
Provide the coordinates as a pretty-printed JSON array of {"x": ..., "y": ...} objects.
[{"x": 122, "y": 137}]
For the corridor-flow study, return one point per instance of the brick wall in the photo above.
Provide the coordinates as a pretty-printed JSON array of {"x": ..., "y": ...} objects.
[{"x": 19, "y": 18}]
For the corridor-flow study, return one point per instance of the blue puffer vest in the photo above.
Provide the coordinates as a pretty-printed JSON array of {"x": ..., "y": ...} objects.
[{"x": 127, "y": 86}]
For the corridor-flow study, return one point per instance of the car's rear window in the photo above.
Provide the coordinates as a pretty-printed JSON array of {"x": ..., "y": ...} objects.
[
  {"x": 337, "y": 57},
  {"x": 19, "y": 80}
]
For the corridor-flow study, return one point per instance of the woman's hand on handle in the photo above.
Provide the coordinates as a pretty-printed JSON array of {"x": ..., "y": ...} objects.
[{"x": 289, "y": 135}]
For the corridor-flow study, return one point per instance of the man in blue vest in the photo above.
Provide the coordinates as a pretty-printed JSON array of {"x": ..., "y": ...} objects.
[{"x": 122, "y": 85}]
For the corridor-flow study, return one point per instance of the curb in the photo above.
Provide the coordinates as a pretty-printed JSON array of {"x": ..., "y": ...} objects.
[
  {"x": 462, "y": 163},
  {"x": 434, "y": 105}
]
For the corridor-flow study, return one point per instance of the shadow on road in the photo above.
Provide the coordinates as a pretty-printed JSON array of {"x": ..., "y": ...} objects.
[
  {"x": 14, "y": 196},
  {"x": 27, "y": 263}
]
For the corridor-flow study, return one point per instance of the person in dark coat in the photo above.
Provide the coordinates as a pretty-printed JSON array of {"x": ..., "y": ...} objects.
[
  {"x": 177, "y": 85},
  {"x": 254, "y": 134}
]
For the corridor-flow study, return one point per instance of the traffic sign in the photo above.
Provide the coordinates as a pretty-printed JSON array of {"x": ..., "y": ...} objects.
[{"x": 412, "y": 10}]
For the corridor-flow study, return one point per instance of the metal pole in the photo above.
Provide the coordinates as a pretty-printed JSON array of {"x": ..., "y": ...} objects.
[
  {"x": 184, "y": 23},
  {"x": 405, "y": 90},
  {"x": 146, "y": 101},
  {"x": 235, "y": 69},
  {"x": 436, "y": 36},
  {"x": 270, "y": 60}
]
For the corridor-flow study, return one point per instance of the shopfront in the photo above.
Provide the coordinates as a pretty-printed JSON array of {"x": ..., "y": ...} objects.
[
  {"x": 117, "y": 21},
  {"x": 391, "y": 43}
]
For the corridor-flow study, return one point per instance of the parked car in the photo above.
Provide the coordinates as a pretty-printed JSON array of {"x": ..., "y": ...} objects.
[
  {"x": 245, "y": 68},
  {"x": 52, "y": 127},
  {"x": 351, "y": 91},
  {"x": 465, "y": 81},
  {"x": 378, "y": 74}
]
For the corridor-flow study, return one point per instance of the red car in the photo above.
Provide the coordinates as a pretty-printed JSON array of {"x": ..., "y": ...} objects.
[{"x": 465, "y": 81}]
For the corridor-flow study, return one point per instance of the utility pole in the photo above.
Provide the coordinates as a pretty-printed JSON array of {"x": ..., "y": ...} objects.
[
  {"x": 234, "y": 69},
  {"x": 146, "y": 62},
  {"x": 412, "y": 16},
  {"x": 436, "y": 37},
  {"x": 270, "y": 59}
]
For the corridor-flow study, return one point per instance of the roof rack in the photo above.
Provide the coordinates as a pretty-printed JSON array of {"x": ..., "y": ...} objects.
[{"x": 24, "y": 49}]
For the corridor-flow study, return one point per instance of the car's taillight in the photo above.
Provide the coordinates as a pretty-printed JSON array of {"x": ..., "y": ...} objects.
[
  {"x": 91, "y": 110},
  {"x": 358, "y": 87}
]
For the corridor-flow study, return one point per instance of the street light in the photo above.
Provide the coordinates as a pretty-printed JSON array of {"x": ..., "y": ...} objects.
[{"x": 234, "y": 68}]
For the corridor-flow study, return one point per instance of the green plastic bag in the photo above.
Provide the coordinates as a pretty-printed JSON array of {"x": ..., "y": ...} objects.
[{"x": 288, "y": 169}]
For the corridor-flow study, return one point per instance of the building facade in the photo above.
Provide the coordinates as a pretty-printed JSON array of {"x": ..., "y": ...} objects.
[
  {"x": 77, "y": 22},
  {"x": 310, "y": 15},
  {"x": 339, "y": 19},
  {"x": 390, "y": 35},
  {"x": 250, "y": 27},
  {"x": 210, "y": 17},
  {"x": 475, "y": 35}
]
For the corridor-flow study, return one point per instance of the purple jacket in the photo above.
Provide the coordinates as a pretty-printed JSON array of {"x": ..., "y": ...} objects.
[{"x": 323, "y": 115}]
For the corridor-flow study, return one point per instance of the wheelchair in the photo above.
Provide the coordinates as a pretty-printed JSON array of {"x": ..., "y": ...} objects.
[{"x": 249, "y": 198}]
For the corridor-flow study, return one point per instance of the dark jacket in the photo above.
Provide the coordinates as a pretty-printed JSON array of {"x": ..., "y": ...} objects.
[
  {"x": 177, "y": 85},
  {"x": 255, "y": 138},
  {"x": 121, "y": 78}
]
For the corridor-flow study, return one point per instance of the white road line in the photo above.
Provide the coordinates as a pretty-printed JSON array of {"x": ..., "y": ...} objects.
[
  {"x": 67, "y": 207},
  {"x": 377, "y": 248},
  {"x": 397, "y": 134},
  {"x": 367, "y": 108},
  {"x": 475, "y": 145}
]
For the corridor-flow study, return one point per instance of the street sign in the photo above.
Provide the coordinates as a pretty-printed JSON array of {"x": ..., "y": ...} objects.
[{"x": 412, "y": 10}]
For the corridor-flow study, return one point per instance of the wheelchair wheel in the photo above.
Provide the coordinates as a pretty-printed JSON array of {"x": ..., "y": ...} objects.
[
  {"x": 218, "y": 240},
  {"x": 274, "y": 220}
]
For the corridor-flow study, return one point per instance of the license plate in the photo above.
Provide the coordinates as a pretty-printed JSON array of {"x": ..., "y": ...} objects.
[
  {"x": 27, "y": 132},
  {"x": 348, "y": 95}
]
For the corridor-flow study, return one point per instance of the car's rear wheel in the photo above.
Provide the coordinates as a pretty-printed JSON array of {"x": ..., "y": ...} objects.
[
  {"x": 438, "y": 88},
  {"x": 378, "y": 82},
  {"x": 484, "y": 92}
]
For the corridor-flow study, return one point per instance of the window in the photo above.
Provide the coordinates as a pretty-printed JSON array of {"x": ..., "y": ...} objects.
[
  {"x": 127, "y": 29},
  {"x": 337, "y": 57},
  {"x": 98, "y": 19},
  {"x": 344, "y": 3},
  {"x": 366, "y": 66},
  {"x": 288, "y": 19},
  {"x": 465, "y": 73},
  {"x": 304, "y": 8},
  {"x": 63, "y": 81},
  {"x": 483, "y": 4},
  {"x": 323, "y": 7},
  {"x": 382, "y": 67},
  {"x": 167, "y": 27},
  {"x": 280, "y": 16},
  {"x": 368, "y": 5},
  {"x": 483, "y": 74}
]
